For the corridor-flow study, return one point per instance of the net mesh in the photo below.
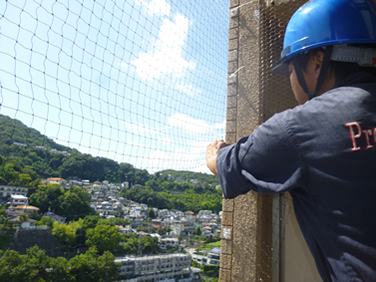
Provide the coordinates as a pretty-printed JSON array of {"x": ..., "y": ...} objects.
[
  {"x": 142, "y": 82},
  {"x": 130, "y": 87},
  {"x": 136, "y": 82}
]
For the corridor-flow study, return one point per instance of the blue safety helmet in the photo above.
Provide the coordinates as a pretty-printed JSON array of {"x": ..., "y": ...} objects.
[{"x": 321, "y": 23}]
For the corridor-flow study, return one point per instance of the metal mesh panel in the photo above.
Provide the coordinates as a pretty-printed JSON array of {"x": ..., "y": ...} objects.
[
  {"x": 276, "y": 95},
  {"x": 255, "y": 223}
]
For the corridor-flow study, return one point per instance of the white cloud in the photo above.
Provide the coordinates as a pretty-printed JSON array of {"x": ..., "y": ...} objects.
[
  {"x": 167, "y": 56},
  {"x": 138, "y": 145},
  {"x": 140, "y": 128},
  {"x": 220, "y": 125},
  {"x": 189, "y": 124},
  {"x": 188, "y": 89},
  {"x": 192, "y": 158},
  {"x": 158, "y": 160},
  {"x": 157, "y": 7}
]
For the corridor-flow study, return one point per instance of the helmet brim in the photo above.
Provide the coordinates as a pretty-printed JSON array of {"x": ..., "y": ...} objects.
[{"x": 281, "y": 67}]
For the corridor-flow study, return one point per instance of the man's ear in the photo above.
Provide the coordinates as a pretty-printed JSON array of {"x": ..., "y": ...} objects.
[{"x": 318, "y": 58}]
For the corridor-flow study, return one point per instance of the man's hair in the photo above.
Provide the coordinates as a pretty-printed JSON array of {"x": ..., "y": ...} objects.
[{"x": 341, "y": 70}]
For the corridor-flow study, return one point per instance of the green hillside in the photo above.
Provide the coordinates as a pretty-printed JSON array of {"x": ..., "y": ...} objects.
[
  {"x": 26, "y": 151},
  {"x": 12, "y": 130}
]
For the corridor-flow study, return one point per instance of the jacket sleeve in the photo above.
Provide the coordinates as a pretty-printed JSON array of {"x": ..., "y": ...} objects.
[{"x": 268, "y": 161}]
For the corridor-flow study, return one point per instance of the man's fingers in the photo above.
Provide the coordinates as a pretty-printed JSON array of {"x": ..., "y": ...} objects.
[
  {"x": 218, "y": 144},
  {"x": 221, "y": 144}
]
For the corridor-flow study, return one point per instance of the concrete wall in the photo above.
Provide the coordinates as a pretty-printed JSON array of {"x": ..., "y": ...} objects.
[
  {"x": 297, "y": 263},
  {"x": 250, "y": 249}
]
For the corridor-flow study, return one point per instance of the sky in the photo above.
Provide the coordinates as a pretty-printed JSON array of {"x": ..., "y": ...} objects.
[{"x": 140, "y": 82}]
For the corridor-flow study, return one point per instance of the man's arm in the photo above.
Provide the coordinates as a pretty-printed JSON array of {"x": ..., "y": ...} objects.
[{"x": 266, "y": 161}]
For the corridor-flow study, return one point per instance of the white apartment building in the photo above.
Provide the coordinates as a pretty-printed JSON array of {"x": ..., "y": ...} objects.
[
  {"x": 176, "y": 267},
  {"x": 7, "y": 190}
]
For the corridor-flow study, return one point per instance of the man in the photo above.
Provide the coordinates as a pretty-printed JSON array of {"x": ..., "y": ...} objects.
[{"x": 324, "y": 151}]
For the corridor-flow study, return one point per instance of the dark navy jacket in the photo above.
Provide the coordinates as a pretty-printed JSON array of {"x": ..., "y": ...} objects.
[{"x": 324, "y": 154}]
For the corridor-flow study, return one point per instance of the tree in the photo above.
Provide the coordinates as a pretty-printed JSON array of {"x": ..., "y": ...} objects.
[
  {"x": 6, "y": 226},
  {"x": 161, "y": 231},
  {"x": 45, "y": 221},
  {"x": 80, "y": 236},
  {"x": 47, "y": 196},
  {"x": 34, "y": 266},
  {"x": 10, "y": 174},
  {"x": 73, "y": 204},
  {"x": 65, "y": 233},
  {"x": 104, "y": 237},
  {"x": 91, "y": 221},
  {"x": 25, "y": 179},
  {"x": 118, "y": 221},
  {"x": 151, "y": 213},
  {"x": 149, "y": 245},
  {"x": 91, "y": 267},
  {"x": 12, "y": 267},
  {"x": 198, "y": 231},
  {"x": 37, "y": 266}
]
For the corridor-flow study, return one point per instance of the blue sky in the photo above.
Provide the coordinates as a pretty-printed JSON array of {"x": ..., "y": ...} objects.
[{"x": 142, "y": 82}]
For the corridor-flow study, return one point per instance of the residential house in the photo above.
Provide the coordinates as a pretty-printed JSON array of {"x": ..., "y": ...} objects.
[
  {"x": 204, "y": 213},
  {"x": 15, "y": 211},
  {"x": 20, "y": 144},
  {"x": 74, "y": 182},
  {"x": 124, "y": 185},
  {"x": 212, "y": 257},
  {"x": 55, "y": 217},
  {"x": 136, "y": 219},
  {"x": 207, "y": 231},
  {"x": 28, "y": 224},
  {"x": 163, "y": 213},
  {"x": 142, "y": 233},
  {"x": 183, "y": 228},
  {"x": 55, "y": 180},
  {"x": 168, "y": 243},
  {"x": 156, "y": 223},
  {"x": 18, "y": 200},
  {"x": 124, "y": 229}
]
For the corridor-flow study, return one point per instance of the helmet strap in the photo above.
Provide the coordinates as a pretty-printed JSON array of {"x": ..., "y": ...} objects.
[
  {"x": 324, "y": 68},
  {"x": 322, "y": 75},
  {"x": 299, "y": 75}
]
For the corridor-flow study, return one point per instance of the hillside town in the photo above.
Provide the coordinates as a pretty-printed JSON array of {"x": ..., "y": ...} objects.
[{"x": 176, "y": 246}]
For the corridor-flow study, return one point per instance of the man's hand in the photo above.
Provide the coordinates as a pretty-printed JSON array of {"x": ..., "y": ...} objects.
[{"x": 212, "y": 153}]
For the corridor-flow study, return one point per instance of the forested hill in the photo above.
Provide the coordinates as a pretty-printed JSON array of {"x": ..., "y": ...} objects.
[
  {"x": 26, "y": 152},
  {"x": 12, "y": 130},
  {"x": 187, "y": 176}
]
